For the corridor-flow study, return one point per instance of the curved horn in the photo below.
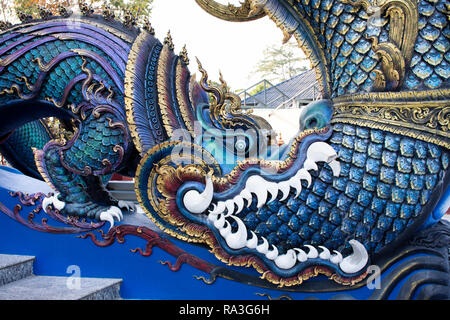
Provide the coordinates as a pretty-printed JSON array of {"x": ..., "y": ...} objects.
[{"x": 230, "y": 12}]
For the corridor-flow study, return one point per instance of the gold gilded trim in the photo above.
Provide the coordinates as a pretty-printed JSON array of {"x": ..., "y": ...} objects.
[
  {"x": 397, "y": 130},
  {"x": 163, "y": 181},
  {"x": 437, "y": 96},
  {"x": 123, "y": 36},
  {"x": 163, "y": 175},
  {"x": 227, "y": 115},
  {"x": 129, "y": 84},
  {"x": 247, "y": 11},
  {"x": 163, "y": 87},
  {"x": 403, "y": 29},
  {"x": 317, "y": 57},
  {"x": 181, "y": 97},
  {"x": 40, "y": 166},
  {"x": 318, "y": 60},
  {"x": 427, "y": 121}
]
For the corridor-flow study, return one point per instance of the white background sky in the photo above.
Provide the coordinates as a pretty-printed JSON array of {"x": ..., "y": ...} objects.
[{"x": 232, "y": 47}]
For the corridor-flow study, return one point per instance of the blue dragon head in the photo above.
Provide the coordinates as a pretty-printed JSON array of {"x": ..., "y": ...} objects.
[{"x": 366, "y": 170}]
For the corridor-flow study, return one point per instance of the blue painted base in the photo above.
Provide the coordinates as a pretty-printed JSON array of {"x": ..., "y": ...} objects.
[{"x": 143, "y": 277}]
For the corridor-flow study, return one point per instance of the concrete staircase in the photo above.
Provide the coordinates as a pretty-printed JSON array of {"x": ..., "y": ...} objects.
[
  {"x": 122, "y": 190},
  {"x": 18, "y": 282}
]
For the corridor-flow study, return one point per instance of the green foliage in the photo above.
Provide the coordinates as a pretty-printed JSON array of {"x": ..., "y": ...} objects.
[
  {"x": 31, "y": 6},
  {"x": 281, "y": 62},
  {"x": 257, "y": 89},
  {"x": 63, "y": 131},
  {"x": 136, "y": 7}
]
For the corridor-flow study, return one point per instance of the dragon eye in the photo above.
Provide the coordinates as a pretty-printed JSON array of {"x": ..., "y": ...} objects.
[
  {"x": 240, "y": 145},
  {"x": 311, "y": 123}
]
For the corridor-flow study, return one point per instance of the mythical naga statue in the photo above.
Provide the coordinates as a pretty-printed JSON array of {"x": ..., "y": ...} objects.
[{"x": 364, "y": 182}]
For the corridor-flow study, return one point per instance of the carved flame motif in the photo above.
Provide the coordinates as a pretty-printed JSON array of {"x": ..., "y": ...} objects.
[{"x": 226, "y": 115}]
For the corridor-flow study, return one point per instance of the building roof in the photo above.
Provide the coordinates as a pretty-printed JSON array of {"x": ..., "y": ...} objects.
[{"x": 304, "y": 87}]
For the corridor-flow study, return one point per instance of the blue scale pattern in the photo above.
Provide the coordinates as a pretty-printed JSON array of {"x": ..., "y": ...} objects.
[
  {"x": 95, "y": 143},
  {"x": 58, "y": 78},
  {"x": 429, "y": 67},
  {"x": 341, "y": 28},
  {"x": 378, "y": 194}
]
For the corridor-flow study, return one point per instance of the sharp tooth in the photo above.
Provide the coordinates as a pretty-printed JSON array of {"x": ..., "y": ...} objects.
[
  {"x": 301, "y": 256},
  {"x": 253, "y": 241},
  {"x": 229, "y": 204},
  {"x": 325, "y": 254},
  {"x": 224, "y": 231},
  {"x": 219, "y": 221},
  {"x": 303, "y": 174},
  {"x": 46, "y": 202},
  {"x": 262, "y": 197},
  {"x": 254, "y": 182},
  {"x": 272, "y": 254},
  {"x": 321, "y": 151},
  {"x": 239, "y": 201},
  {"x": 263, "y": 247},
  {"x": 197, "y": 202},
  {"x": 335, "y": 167},
  {"x": 58, "y": 204},
  {"x": 245, "y": 194},
  {"x": 357, "y": 260},
  {"x": 212, "y": 215},
  {"x": 258, "y": 186},
  {"x": 313, "y": 253},
  {"x": 285, "y": 188},
  {"x": 219, "y": 209},
  {"x": 287, "y": 260},
  {"x": 272, "y": 188},
  {"x": 310, "y": 165},
  {"x": 295, "y": 183},
  {"x": 238, "y": 239},
  {"x": 336, "y": 258}
]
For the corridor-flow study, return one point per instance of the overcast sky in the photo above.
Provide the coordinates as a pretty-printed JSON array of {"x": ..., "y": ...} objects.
[{"x": 232, "y": 47}]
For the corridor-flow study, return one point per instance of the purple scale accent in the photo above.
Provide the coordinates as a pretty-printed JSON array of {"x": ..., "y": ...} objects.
[
  {"x": 16, "y": 43},
  {"x": 119, "y": 60},
  {"x": 36, "y": 87},
  {"x": 17, "y": 54},
  {"x": 72, "y": 83},
  {"x": 8, "y": 37},
  {"x": 71, "y": 25},
  {"x": 69, "y": 87},
  {"x": 105, "y": 65},
  {"x": 97, "y": 58},
  {"x": 82, "y": 34},
  {"x": 59, "y": 58}
]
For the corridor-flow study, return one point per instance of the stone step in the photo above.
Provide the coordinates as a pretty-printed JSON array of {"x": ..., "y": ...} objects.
[
  {"x": 124, "y": 195},
  {"x": 121, "y": 185},
  {"x": 61, "y": 288},
  {"x": 122, "y": 190},
  {"x": 15, "y": 267},
  {"x": 17, "y": 282}
]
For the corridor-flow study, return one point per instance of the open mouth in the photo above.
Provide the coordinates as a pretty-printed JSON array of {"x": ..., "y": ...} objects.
[
  {"x": 226, "y": 217},
  {"x": 334, "y": 201}
]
